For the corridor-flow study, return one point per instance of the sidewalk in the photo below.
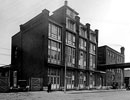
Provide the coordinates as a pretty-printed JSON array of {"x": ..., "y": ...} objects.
[
  {"x": 94, "y": 91},
  {"x": 88, "y": 91}
]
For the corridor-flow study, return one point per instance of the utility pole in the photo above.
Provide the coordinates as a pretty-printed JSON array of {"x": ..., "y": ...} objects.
[{"x": 65, "y": 77}]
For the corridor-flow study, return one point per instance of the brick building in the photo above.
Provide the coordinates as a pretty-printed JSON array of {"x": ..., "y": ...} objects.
[
  {"x": 48, "y": 43},
  {"x": 109, "y": 56}
]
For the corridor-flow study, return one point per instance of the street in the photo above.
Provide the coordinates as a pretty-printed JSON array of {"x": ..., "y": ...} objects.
[{"x": 69, "y": 95}]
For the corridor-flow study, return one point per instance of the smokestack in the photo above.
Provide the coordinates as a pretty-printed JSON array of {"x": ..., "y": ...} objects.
[
  {"x": 66, "y": 2},
  {"x": 122, "y": 50}
]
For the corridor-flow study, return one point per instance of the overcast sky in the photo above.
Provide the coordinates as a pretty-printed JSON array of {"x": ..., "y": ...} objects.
[{"x": 110, "y": 17}]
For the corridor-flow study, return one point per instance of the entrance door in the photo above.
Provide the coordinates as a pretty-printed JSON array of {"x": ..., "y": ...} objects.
[
  {"x": 68, "y": 79},
  {"x": 14, "y": 78},
  {"x": 101, "y": 81},
  {"x": 55, "y": 81},
  {"x": 92, "y": 82},
  {"x": 70, "y": 83}
]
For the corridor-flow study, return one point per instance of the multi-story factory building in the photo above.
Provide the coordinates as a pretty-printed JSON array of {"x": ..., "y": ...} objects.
[{"x": 47, "y": 46}]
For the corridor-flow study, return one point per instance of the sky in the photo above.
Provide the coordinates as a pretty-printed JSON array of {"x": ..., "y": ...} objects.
[{"x": 110, "y": 17}]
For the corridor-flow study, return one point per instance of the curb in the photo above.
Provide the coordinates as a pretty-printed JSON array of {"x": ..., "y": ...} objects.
[{"x": 94, "y": 91}]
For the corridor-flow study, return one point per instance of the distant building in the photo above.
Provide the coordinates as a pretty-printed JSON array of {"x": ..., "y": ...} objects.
[
  {"x": 46, "y": 44},
  {"x": 109, "y": 56}
]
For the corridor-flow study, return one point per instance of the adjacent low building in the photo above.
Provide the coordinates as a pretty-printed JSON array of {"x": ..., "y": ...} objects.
[
  {"x": 110, "y": 58},
  {"x": 50, "y": 47}
]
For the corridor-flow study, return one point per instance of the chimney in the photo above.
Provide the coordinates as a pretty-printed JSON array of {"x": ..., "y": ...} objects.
[
  {"x": 77, "y": 18},
  {"x": 45, "y": 11},
  {"x": 96, "y": 31},
  {"x": 122, "y": 50},
  {"x": 21, "y": 27},
  {"x": 88, "y": 25},
  {"x": 88, "y": 30},
  {"x": 66, "y": 3}
]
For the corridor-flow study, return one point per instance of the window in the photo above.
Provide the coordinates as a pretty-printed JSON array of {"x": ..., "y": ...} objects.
[
  {"x": 108, "y": 53},
  {"x": 54, "y": 52},
  {"x": 16, "y": 52},
  {"x": 82, "y": 78},
  {"x": 70, "y": 13},
  {"x": 54, "y": 31},
  {"x": 82, "y": 32},
  {"x": 92, "y": 60},
  {"x": 70, "y": 24},
  {"x": 92, "y": 49},
  {"x": 54, "y": 72},
  {"x": 54, "y": 77},
  {"x": 92, "y": 37},
  {"x": 70, "y": 56},
  {"x": 70, "y": 77},
  {"x": 82, "y": 44},
  {"x": 70, "y": 38},
  {"x": 82, "y": 60}
]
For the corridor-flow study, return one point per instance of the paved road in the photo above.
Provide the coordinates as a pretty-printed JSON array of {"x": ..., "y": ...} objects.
[{"x": 70, "y": 95}]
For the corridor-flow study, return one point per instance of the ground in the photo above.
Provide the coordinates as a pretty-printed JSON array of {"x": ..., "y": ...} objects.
[{"x": 69, "y": 95}]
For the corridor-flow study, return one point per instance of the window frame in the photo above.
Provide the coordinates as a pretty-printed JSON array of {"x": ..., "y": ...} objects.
[
  {"x": 84, "y": 58},
  {"x": 70, "y": 24},
  {"x": 54, "y": 58},
  {"x": 70, "y": 56},
  {"x": 70, "y": 38},
  {"x": 54, "y": 31}
]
